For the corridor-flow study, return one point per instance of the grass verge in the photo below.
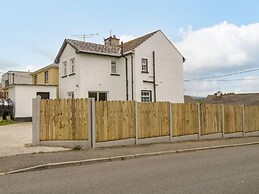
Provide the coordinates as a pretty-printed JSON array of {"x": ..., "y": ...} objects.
[{"x": 5, "y": 122}]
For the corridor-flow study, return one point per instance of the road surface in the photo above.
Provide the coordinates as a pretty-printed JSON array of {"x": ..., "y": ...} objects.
[{"x": 230, "y": 170}]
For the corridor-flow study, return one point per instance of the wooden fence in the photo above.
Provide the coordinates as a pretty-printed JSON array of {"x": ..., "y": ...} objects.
[
  {"x": 114, "y": 120},
  {"x": 64, "y": 119},
  {"x": 251, "y": 118},
  {"x": 67, "y": 119},
  {"x": 153, "y": 119},
  {"x": 233, "y": 119},
  {"x": 184, "y": 119}
]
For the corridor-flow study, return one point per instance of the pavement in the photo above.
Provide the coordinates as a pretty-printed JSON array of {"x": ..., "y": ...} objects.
[
  {"x": 55, "y": 159},
  {"x": 14, "y": 137}
]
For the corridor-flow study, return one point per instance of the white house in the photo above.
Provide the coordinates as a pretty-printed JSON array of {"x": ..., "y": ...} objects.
[
  {"x": 148, "y": 68},
  {"x": 22, "y": 95}
]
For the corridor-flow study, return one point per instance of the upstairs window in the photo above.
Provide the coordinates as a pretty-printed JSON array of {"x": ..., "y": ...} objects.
[
  {"x": 144, "y": 65},
  {"x": 114, "y": 67},
  {"x": 64, "y": 68},
  {"x": 72, "y": 63},
  {"x": 35, "y": 79},
  {"x": 146, "y": 96},
  {"x": 46, "y": 76}
]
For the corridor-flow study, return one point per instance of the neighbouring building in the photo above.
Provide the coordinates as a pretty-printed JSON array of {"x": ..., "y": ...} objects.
[
  {"x": 188, "y": 99},
  {"x": 148, "y": 68},
  {"x": 13, "y": 77},
  {"x": 21, "y": 89},
  {"x": 246, "y": 99},
  {"x": 48, "y": 76}
]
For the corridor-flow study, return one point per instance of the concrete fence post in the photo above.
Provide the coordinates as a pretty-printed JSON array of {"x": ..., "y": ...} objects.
[
  {"x": 243, "y": 120},
  {"x": 136, "y": 121},
  {"x": 223, "y": 121},
  {"x": 199, "y": 120},
  {"x": 93, "y": 136},
  {"x": 89, "y": 142},
  {"x": 170, "y": 122},
  {"x": 36, "y": 121}
]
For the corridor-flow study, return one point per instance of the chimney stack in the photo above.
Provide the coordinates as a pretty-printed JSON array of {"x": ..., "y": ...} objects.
[{"x": 112, "y": 41}]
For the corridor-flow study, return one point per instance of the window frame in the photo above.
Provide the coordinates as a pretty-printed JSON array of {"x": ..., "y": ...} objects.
[
  {"x": 144, "y": 70},
  {"x": 98, "y": 95},
  {"x": 71, "y": 94},
  {"x": 149, "y": 96},
  {"x": 46, "y": 76},
  {"x": 64, "y": 68},
  {"x": 114, "y": 66},
  {"x": 35, "y": 79},
  {"x": 72, "y": 63}
]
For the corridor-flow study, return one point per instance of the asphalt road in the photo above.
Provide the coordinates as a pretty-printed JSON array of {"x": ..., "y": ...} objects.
[{"x": 229, "y": 170}]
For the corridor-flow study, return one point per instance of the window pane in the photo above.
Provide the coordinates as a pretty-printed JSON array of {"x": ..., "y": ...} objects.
[
  {"x": 46, "y": 76},
  {"x": 102, "y": 96},
  {"x": 93, "y": 95},
  {"x": 72, "y": 61},
  {"x": 144, "y": 65},
  {"x": 113, "y": 67},
  {"x": 65, "y": 68},
  {"x": 145, "y": 96}
]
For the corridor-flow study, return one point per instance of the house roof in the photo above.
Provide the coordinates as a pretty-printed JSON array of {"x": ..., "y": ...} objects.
[
  {"x": 188, "y": 99},
  {"x": 93, "y": 48},
  {"x": 53, "y": 65},
  {"x": 246, "y": 99},
  {"x": 130, "y": 45}
]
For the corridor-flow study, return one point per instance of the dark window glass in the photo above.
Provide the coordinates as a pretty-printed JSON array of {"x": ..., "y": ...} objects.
[
  {"x": 102, "y": 96},
  {"x": 43, "y": 95},
  {"x": 93, "y": 95}
]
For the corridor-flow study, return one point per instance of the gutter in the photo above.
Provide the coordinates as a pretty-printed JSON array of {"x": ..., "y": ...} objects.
[
  {"x": 126, "y": 66},
  {"x": 154, "y": 75},
  {"x": 132, "y": 77}
]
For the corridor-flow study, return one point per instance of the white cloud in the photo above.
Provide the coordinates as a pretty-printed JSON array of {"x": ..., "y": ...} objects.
[
  {"x": 216, "y": 50},
  {"x": 126, "y": 38}
]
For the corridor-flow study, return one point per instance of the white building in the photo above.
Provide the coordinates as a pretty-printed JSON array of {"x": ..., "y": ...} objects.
[
  {"x": 18, "y": 87},
  {"x": 148, "y": 68},
  {"x": 22, "y": 95},
  {"x": 16, "y": 77}
]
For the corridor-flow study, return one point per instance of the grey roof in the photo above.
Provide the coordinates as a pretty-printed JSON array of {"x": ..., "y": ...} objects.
[
  {"x": 246, "y": 99},
  {"x": 93, "y": 48},
  {"x": 46, "y": 67},
  {"x": 81, "y": 46},
  {"x": 188, "y": 99}
]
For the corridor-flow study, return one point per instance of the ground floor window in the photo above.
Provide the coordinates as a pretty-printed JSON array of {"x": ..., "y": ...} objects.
[
  {"x": 146, "y": 96},
  {"x": 70, "y": 94},
  {"x": 98, "y": 96},
  {"x": 43, "y": 95}
]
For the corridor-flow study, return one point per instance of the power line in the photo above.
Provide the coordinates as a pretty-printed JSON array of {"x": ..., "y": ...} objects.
[
  {"x": 224, "y": 75},
  {"x": 223, "y": 80}
]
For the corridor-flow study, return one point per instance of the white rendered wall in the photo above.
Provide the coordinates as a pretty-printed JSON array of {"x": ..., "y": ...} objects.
[
  {"x": 169, "y": 69},
  {"x": 95, "y": 75},
  {"x": 69, "y": 82},
  {"x": 22, "y": 96}
]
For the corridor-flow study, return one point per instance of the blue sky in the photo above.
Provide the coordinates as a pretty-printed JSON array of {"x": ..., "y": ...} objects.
[{"x": 32, "y": 32}]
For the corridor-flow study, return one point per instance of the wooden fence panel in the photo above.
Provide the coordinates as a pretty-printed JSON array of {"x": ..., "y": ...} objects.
[
  {"x": 114, "y": 120},
  {"x": 153, "y": 119},
  {"x": 232, "y": 119},
  {"x": 251, "y": 118},
  {"x": 64, "y": 119},
  {"x": 184, "y": 119},
  {"x": 211, "y": 118}
]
